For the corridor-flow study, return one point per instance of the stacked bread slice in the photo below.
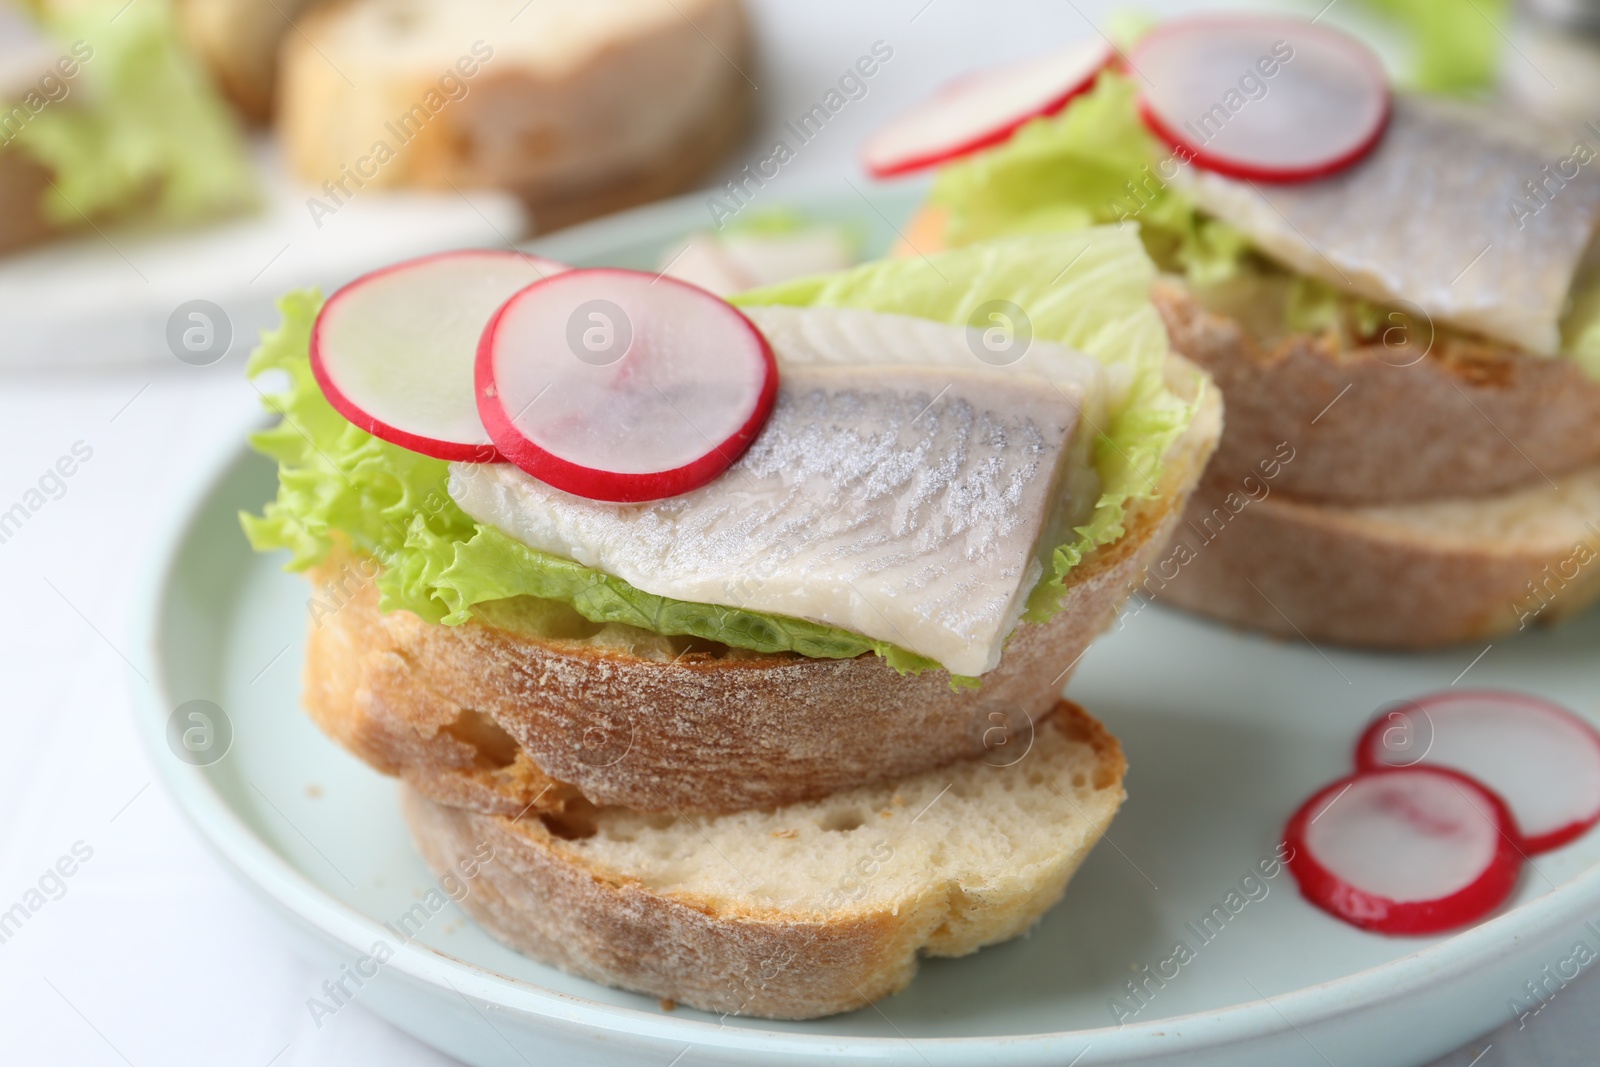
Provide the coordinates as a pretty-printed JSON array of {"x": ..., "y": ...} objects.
[
  {"x": 1420, "y": 489},
  {"x": 1412, "y": 450},
  {"x": 739, "y": 831}
]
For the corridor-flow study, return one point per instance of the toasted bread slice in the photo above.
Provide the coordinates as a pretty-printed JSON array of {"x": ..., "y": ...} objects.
[
  {"x": 809, "y": 910},
  {"x": 580, "y": 107},
  {"x": 631, "y": 718},
  {"x": 1407, "y": 576},
  {"x": 238, "y": 42}
]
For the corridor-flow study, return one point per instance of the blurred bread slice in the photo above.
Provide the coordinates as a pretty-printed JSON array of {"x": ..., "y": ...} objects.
[
  {"x": 1413, "y": 413},
  {"x": 25, "y": 55},
  {"x": 237, "y": 41},
  {"x": 22, "y": 187},
  {"x": 798, "y": 912},
  {"x": 1404, "y": 576},
  {"x": 579, "y": 106}
]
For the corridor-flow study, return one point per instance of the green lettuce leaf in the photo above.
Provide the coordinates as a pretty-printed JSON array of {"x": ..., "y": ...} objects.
[
  {"x": 1090, "y": 164},
  {"x": 1580, "y": 331},
  {"x": 1087, "y": 289},
  {"x": 141, "y": 130},
  {"x": 1455, "y": 44}
]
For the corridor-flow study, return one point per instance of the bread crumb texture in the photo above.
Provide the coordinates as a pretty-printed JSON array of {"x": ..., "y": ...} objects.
[{"x": 805, "y": 910}]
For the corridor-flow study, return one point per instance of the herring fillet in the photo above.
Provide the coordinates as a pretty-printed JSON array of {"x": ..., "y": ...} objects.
[
  {"x": 901, "y": 502},
  {"x": 1427, "y": 218}
]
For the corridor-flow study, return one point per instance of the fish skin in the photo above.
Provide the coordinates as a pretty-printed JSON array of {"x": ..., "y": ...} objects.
[
  {"x": 901, "y": 502},
  {"x": 1426, "y": 219}
]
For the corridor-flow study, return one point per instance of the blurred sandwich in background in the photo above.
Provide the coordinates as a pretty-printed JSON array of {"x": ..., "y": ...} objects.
[
  {"x": 580, "y": 107},
  {"x": 105, "y": 118}
]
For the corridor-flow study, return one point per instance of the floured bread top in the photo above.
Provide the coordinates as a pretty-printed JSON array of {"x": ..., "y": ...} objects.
[
  {"x": 903, "y": 489},
  {"x": 1480, "y": 220}
]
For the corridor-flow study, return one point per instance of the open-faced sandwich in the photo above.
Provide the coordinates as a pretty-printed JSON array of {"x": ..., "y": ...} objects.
[
  {"x": 737, "y": 631},
  {"x": 1396, "y": 295},
  {"x": 579, "y": 107},
  {"x": 104, "y": 119}
]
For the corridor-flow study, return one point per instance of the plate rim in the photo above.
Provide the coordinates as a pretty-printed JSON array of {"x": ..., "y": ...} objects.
[{"x": 264, "y": 870}]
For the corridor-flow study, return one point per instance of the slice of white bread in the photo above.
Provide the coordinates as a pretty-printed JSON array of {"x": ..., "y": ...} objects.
[
  {"x": 1418, "y": 575},
  {"x": 579, "y": 106},
  {"x": 1418, "y": 412},
  {"x": 237, "y": 42},
  {"x": 809, "y": 910},
  {"x": 678, "y": 724}
]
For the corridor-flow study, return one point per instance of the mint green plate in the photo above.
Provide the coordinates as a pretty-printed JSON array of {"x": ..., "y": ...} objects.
[{"x": 1226, "y": 734}]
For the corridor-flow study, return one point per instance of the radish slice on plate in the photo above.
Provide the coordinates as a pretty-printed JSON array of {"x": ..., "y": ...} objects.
[
  {"x": 394, "y": 350},
  {"x": 1405, "y": 850},
  {"x": 1540, "y": 757},
  {"x": 1205, "y": 88},
  {"x": 619, "y": 385},
  {"x": 982, "y": 109}
]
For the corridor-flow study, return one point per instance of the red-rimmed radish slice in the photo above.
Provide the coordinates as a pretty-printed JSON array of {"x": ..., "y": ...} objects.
[
  {"x": 1405, "y": 850},
  {"x": 983, "y": 109},
  {"x": 619, "y": 385},
  {"x": 1540, "y": 757},
  {"x": 394, "y": 350},
  {"x": 1205, "y": 88}
]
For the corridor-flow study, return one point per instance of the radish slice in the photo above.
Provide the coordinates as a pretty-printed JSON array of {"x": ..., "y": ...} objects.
[
  {"x": 1543, "y": 759},
  {"x": 619, "y": 385},
  {"x": 1405, "y": 850},
  {"x": 1205, "y": 89},
  {"x": 982, "y": 109},
  {"x": 394, "y": 350}
]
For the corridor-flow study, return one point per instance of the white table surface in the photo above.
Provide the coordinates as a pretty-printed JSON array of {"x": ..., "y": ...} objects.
[{"x": 154, "y": 956}]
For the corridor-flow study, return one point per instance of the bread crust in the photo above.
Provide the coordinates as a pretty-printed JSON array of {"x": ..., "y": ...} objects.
[
  {"x": 23, "y": 183},
  {"x": 1378, "y": 424},
  {"x": 237, "y": 41},
  {"x": 1357, "y": 577},
  {"x": 704, "y": 732},
  {"x": 640, "y": 116},
  {"x": 726, "y": 954}
]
